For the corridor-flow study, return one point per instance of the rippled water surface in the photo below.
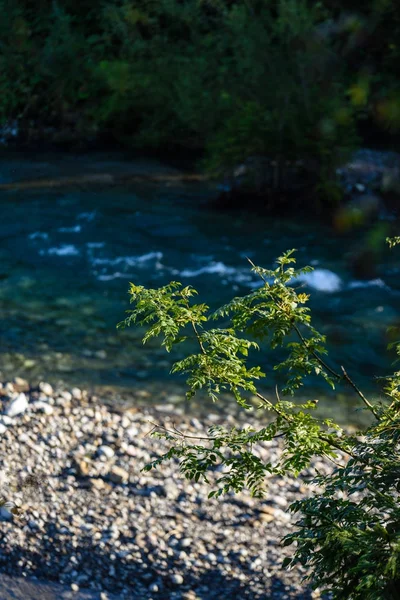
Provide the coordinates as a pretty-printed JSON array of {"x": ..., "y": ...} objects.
[{"x": 67, "y": 258}]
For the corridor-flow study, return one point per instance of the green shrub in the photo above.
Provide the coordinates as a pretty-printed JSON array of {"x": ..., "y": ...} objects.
[
  {"x": 351, "y": 544},
  {"x": 288, "y": 80},
  {"x": 236, "y": 78}
]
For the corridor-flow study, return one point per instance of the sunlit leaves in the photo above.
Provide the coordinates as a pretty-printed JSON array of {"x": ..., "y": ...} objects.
[
  {"x": 275, "y": 312},
  {"x": 393, "y": 241},
  {"x": 165, "y": 310},
  {"x": 352, "y": 529},
  {"x": 348, "y": 535}
]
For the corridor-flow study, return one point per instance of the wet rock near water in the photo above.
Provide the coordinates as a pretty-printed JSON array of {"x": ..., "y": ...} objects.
[
  {"x": 89, "y": 518},
  {"x": 364, "y": 180},
  {"x": 370, "y": 171}
]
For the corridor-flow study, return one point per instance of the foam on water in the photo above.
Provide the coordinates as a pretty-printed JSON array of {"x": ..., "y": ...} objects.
[
  {"x": 87, "y": 216},
  {"x": 213, "y": 268},
  {"x": 116, "y": 275},
  {"x": 322, "y": 280},
  {"x": 149, "y": 256},
  {"x": 95, "y": 244},
  {"x": 150, "y": 259},
  {"x": 63, "y": 250},
  {"x": 129, "y": 261},
  {"x": 372, "y": 282},
  {"x": 75, "y": 229},
  {"x": 38, "y": 235}
]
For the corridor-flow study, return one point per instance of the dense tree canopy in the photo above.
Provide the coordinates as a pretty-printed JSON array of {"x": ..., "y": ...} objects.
[{"x": 290, "y": 78}]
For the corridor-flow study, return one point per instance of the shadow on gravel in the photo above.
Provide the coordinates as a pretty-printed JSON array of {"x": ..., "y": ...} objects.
[
  {"x": 21, "y": 588},
  {"x": 141, "y": 578}
]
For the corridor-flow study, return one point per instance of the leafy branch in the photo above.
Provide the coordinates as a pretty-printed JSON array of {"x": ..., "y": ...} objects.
[{"x": 348, "y": 535}]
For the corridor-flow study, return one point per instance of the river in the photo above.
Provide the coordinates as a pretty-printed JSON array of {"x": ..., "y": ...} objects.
[{"x": 68, "y": 255}]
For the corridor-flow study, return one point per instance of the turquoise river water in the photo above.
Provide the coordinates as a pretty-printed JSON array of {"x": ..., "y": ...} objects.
[{"x": 67, "y": 257}]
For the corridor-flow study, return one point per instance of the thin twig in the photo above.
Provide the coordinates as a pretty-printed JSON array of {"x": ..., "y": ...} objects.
[
  {"x": 176, "y": 431},
  {"x": 152, "y": 429},
  {"x": 272, "y": 406},
  {"x": 315, "y": 355},
  {"x": 289, "y": 420},
  {"x": 180, "y": 433},
  {"x": 198, "y": 338},
  {"x": 334, "y": 445},
  {"x": 277, "y": 393},
  {"x": 334, "y": 461},
  {"x": 254, "y": 267},
  {"x": 359, "y": 392}
]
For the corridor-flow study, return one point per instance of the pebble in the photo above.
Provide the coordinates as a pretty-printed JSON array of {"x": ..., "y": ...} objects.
[
  {"x": 96, "y": 520},
  {"x": 43, "y": 407},
  {"x": 17, "y": 406},
  {"x": 22, "y": 384},
  {"x": 106, "y": 452},
  {"x": 46, "y": 388},
  {"x": 280, "y": 501},
  {"x": 5, "y": 514},
  {"x": 118, "y": 475},
  {"x": 82, "y": 468},
  {"x": 131, "y": 450},
  {"x": 9, "y": 387}
]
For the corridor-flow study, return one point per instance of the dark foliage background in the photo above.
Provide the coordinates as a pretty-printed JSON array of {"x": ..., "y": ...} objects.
[{"x": 229, "y": 79}]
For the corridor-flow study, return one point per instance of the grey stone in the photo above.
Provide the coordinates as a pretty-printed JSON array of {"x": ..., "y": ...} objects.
[
  {"x": 106, "y": 451},
  {"x": 46, "y": 388},
  {"x": 177, "y": 579},
  {"x": 118, "y": 475},
  {"x": 17, "y": 406},
  {"x": 43, "y": 407}
]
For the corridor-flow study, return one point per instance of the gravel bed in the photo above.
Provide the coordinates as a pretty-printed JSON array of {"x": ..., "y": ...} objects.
[{"x": 90, "y": 519}]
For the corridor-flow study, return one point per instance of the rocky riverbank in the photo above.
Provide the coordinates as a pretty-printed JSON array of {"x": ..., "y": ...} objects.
[{"x": 87, "y": 517}]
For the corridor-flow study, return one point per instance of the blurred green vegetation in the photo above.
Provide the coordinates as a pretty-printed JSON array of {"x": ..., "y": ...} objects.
[{"x": 292, "y": 79}]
